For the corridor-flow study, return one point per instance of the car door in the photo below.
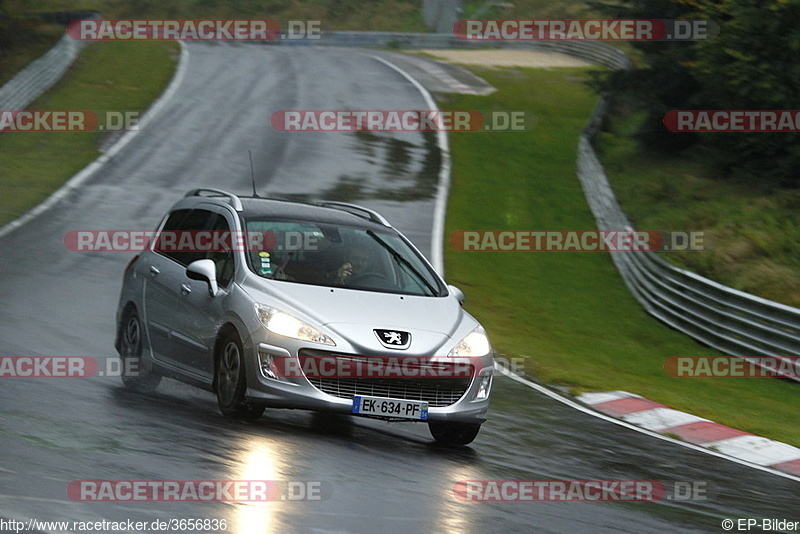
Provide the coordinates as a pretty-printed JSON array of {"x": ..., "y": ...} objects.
[
  {"x": 165, "y": 270},
  {"x": 198, "y": 314}
]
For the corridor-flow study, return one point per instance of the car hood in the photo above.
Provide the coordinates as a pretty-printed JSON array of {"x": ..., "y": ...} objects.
[{"x": 338, "y": 307}]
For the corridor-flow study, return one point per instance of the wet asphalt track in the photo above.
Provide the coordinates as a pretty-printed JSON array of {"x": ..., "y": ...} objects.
[{"x": 381, "y": 477}]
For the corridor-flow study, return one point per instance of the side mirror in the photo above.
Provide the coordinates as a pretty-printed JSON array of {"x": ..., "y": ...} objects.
[
  {"x": 457, "y": 293},
  {"x": 206, "y": 271}
]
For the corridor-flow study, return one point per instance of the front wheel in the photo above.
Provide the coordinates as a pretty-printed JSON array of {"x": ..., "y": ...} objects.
[
  {"x": 453, "y": 433},
  {"x": 232, "y": 382},
  {"x": 134, "y": 375}
]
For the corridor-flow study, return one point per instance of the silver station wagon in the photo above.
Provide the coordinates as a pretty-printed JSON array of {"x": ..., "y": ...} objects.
[{"x": 324, "y": 307}]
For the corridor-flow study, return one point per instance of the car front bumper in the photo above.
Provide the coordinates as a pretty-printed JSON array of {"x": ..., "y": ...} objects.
[{"x": 277, "y": 378}]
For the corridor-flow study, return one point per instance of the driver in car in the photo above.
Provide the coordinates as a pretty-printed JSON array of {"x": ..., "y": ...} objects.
[{"x": 359, "y": 261}]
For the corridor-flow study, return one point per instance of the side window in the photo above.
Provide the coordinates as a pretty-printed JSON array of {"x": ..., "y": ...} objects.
[
  {"x": 169, "y": 242},
  {"x": 223, "y": 259}
]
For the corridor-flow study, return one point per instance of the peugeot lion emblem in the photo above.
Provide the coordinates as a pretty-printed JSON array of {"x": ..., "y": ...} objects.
[{"x": 393, "y": 339}]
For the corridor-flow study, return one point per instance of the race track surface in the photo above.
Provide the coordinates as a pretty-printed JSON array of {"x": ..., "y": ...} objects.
[{"x": 379, "y": 477}]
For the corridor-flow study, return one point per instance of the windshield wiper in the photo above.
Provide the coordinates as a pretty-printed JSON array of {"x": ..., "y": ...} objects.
[{"x": 398, "y": 257}]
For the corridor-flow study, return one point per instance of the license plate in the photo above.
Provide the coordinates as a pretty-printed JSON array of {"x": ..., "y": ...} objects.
[{"x": 404, "y": 409}]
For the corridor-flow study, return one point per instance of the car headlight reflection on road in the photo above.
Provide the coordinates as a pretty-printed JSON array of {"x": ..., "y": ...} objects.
[
  {"x": 475, "y": 344},
  {"x": 283, "y": 324}
]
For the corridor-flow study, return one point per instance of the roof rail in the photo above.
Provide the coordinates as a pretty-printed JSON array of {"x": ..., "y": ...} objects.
[
  {"x": 357, "y": 210},
  {"x": 233, "y": 199}
]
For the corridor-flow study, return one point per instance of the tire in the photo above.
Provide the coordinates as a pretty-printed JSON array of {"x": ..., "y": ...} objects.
[
  {"x": 453, "y": 433},
  {"x": 134, "y": 375},
  {"x": 231, "y": 381}
]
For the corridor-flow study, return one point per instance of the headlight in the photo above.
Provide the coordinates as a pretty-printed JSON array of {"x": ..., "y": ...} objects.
[
  {"x": 475, "y": 344},
  {"x": 283, "y": 324}
]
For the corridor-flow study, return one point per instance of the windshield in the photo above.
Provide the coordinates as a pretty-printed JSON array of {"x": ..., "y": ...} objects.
[{"x": 340, "y": 256}]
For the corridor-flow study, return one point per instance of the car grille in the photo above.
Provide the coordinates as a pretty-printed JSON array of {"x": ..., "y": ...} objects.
[{"x": 436, "y": 391}]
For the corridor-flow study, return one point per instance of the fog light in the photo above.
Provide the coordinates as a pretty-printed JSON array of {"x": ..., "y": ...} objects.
[
  {"x": 485, "y": 388},
  {"x": 266, "y": 363}
]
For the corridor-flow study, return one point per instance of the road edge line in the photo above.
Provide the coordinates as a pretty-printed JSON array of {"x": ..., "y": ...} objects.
[{"x": 443, "y": 188}]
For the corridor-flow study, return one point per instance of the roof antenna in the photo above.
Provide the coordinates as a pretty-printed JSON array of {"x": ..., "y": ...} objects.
[{"x": 252, "y": 174}]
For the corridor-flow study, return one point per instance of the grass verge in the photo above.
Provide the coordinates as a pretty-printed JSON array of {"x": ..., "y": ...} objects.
[
  {"x": 568, "y": 314},
  {"x": 119, "y": 75},
  {"x": 754, "y": 233}
]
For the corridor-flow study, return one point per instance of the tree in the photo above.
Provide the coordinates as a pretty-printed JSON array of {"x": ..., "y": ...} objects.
[
  {"x": 662, "y": 77},
  {"x": 752, "y": 65},
  {"x": 5, "y": 27}
]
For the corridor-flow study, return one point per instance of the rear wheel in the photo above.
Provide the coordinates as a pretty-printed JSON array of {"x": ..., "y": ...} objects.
[
  {"x": 453, "y": 433},
  {"x": 232, "y": 381},
  {"x": 134, "y": 375}
]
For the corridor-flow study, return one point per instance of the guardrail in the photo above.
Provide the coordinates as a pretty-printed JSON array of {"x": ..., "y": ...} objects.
[
  {"x": 594, "y": 51},
  {"x": 41, "y": 74},
  {"x": 734, "y": 322}
]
